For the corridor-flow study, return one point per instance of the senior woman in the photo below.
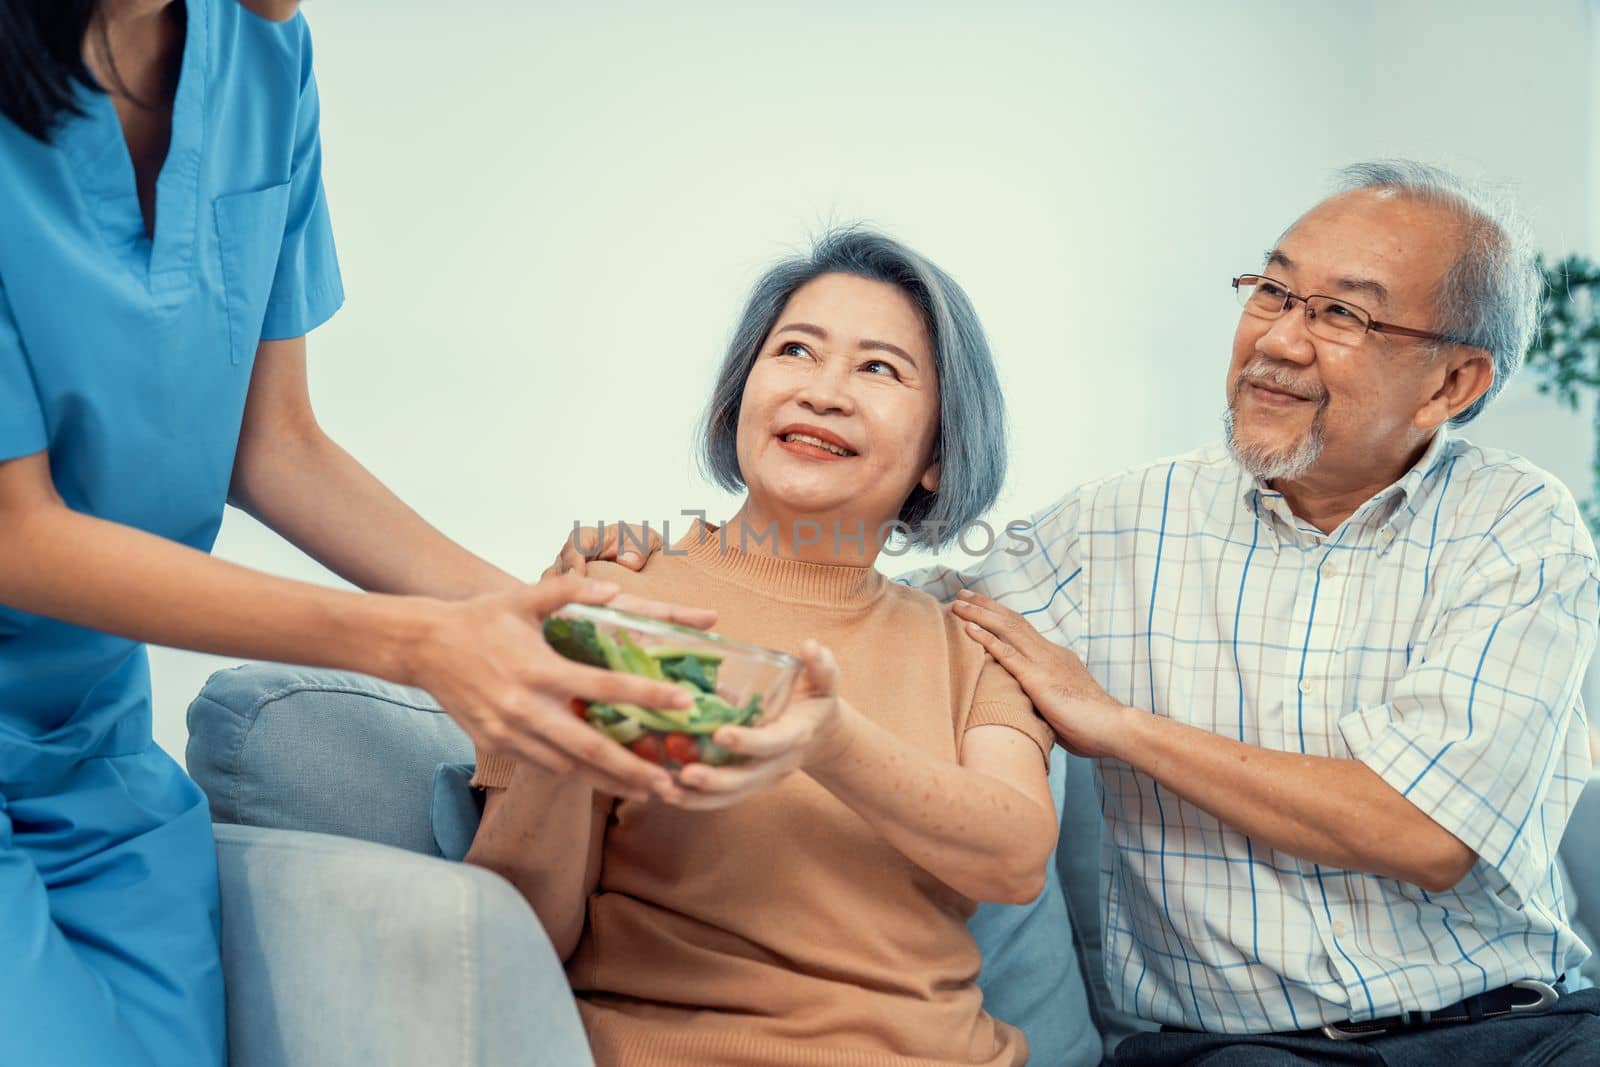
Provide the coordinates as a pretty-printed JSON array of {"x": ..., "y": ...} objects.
[{"x": 770, "y": 919}]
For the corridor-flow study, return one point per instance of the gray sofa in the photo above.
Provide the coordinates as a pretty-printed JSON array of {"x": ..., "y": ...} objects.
[{"x": 386, "y": 950}]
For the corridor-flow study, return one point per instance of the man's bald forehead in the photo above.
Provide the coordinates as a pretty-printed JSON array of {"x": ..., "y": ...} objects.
[{"x": 1405, "y": 208}]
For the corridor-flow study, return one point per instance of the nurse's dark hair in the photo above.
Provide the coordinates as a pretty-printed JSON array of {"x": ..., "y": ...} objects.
[
  {"x": 971, "y": 443},
  {"x": 41, "y": 61}
]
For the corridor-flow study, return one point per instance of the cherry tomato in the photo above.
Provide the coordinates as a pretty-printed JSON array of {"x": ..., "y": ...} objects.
[
  {"x": 683, "y": 749},
  {"x": 580, "y": 708},
  {"x": 647, "y": 747}
]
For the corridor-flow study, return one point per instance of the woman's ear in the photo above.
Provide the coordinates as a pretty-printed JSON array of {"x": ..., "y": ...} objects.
[{"x": 930, "y": 478}]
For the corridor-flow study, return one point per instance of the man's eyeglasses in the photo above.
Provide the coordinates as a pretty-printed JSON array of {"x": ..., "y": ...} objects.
[{"x": 1327, "y": 317}]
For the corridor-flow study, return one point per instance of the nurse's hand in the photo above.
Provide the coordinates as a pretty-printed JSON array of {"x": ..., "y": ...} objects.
[
  {"x": 486, "y": 662},
  {"x": 585, "y": 545}
]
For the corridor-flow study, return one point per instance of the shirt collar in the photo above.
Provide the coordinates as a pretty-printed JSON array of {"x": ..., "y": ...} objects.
[
  {"x": 1395, "y": 506},
  {"x": 1402, "y": 497}
]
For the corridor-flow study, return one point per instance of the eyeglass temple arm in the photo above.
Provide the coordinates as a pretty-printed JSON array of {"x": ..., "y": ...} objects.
[{"x": 1429, "y": 335}]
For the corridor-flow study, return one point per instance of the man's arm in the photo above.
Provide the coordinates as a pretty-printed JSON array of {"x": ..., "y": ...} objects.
[
  {"x": 1336, "y": 812},
  {"x": 1314, "y": 807},
  {"x": 1445, "y": 773}
]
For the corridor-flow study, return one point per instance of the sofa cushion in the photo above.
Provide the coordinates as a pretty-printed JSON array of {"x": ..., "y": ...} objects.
[
  {"x": 457, "y": 809},
  {"x": 325, "y": 751},
  {"x": 339, "y": 952},
  {"x": 341, "y": 753},
  {"x": 346, "y": 754},
  {"x": 1032, "y": 974}
]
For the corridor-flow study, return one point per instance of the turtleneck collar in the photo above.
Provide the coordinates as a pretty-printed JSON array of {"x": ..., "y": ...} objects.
[{"x": 754, "y": 565}]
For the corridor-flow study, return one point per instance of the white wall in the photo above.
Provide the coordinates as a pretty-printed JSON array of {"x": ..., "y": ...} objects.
[
  {"x": 1509, "y": 91},
  {"x": 1529, "y": 123},
  {"x": 548, "y": 216}
]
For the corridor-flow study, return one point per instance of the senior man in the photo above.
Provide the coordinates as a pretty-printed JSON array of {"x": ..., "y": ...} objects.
[{"x": 1330, "y": 670}]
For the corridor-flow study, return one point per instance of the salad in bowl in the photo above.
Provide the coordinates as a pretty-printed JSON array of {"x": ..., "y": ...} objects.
[{"x": 732, "y": 683}]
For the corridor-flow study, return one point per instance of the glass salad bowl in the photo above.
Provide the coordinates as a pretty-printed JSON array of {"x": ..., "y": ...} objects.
[{"x": 733, "y": 683}]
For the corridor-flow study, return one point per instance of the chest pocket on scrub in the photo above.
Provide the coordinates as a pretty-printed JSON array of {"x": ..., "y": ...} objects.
[{"x": 249, "y": 237}]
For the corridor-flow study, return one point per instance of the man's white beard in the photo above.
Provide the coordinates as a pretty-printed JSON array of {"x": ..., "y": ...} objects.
[{"x": 1271, "y": 465}]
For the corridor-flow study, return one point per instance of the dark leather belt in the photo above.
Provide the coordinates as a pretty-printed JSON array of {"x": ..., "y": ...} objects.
[{"x": 1525, "y": 996}]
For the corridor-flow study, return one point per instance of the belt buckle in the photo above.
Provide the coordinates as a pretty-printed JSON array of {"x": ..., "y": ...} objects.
[
  {"x": 1547, "y": 996},
  {"x": 1348, "y": 1031}
]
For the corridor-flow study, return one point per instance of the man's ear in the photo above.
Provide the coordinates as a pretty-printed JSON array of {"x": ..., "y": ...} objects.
[{"x": 1468, "y": 374}]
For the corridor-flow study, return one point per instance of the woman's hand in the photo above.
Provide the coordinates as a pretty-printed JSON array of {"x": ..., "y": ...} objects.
[
  {"x": 486, "y": 662},
  {"x": 587, "y": 545},
  {"x": 813, "y": 730},
  {"x": 1082, "y": 714}
]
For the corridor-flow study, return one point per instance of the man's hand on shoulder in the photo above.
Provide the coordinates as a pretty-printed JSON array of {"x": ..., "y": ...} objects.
[
  {"x": 1086, "y": 719},
  {"x": 617, "y": 543}
]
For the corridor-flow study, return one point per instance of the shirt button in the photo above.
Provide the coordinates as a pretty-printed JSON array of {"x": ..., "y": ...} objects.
[
  {"x": 1338, "y": 928},
  {"x": 1307, "y": 688}
]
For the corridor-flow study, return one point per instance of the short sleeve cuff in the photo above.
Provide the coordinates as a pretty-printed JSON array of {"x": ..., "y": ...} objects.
[
  {"x": 22, "y": 433},
  {"x": 22, "y": 426},
  {"x": 1436, "y": 776},
  {"x": 493, "y": 772},
  {"x": 308, "y": 309},
  {"x": 1026, "y": 722}
]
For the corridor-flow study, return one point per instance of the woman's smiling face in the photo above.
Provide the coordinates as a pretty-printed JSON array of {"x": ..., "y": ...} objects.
[{"x": 840, "y": 413}]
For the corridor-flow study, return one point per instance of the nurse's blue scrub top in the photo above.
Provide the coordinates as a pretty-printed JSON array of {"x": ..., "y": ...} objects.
[{"x": 129, "y": 360}]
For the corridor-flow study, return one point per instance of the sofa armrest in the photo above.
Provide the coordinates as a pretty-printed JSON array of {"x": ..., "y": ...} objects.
[
  {"x": 342, "y": 951},
  {"x": 326, "y": 751}
]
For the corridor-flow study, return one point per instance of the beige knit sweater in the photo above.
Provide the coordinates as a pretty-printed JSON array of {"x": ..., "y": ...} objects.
[{"x": 785, "y": 932}]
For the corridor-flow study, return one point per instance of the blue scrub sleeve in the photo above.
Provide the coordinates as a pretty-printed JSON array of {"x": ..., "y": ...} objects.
[
  {"x": 22, "y": 428},
  {"x": 307, "y": 289}
]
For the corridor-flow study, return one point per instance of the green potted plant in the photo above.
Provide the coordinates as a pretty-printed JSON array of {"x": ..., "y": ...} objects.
[{"x": 1565, "y": 355}]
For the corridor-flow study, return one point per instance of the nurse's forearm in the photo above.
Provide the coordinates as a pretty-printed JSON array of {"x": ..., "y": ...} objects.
[
  {"x": 482, "y": 659},
  {"x": 318, "y": 497},
  {"x": 105, "y": 576}
]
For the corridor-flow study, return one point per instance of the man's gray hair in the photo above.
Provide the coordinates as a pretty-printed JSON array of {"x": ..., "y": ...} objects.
[
  {"x": 971, "y": 442},
  {"x": 1491, "y": 294}
]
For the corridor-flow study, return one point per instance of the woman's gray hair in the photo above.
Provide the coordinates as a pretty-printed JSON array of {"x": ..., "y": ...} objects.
[
  {"x": 971, "y": 442},
  {"x": 1491, "y": 294}
]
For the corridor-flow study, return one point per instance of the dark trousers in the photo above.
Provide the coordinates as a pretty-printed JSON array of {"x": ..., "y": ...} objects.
[{"x": 1567, "y": 1034}]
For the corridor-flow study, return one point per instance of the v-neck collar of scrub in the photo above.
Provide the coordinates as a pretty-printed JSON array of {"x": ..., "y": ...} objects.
[{"x": 103, "y": 169}]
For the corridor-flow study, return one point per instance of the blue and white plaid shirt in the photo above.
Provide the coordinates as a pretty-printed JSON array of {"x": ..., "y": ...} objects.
[{"x": 1439, "y": 635}]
